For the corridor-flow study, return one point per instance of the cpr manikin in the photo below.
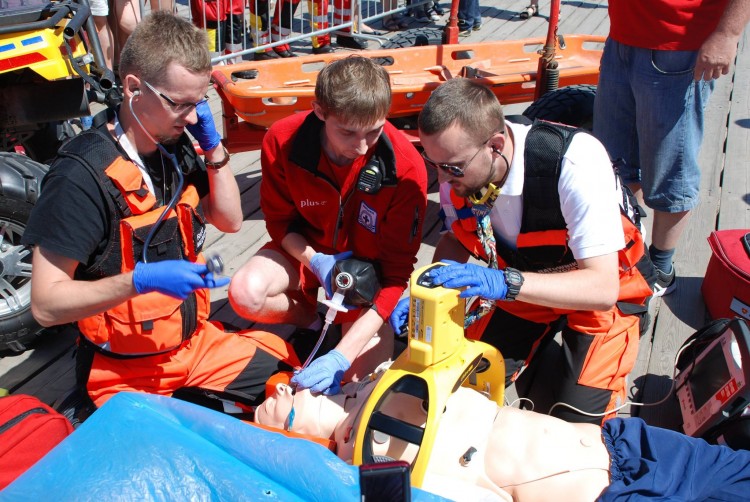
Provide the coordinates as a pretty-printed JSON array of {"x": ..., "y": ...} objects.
[{"x": 481, "y": 450}]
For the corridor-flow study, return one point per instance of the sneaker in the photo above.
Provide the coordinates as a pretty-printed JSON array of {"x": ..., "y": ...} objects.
[
  {"x": 530, "y": 11},
  {"x": 665, "y": 283},
  {"x": 436, "y": 6},
  {"x": 284, "y": 53},
  {"x": 350, "y": 42},
  {"x": 432, "y": 13},
  {"x": 464, "y": 29},
  {"x": 421, "y": 16},
  {"x": 323, "y": 49},
  {"x": 266, "y": 55},
  {"x": 477, "y": 27}
]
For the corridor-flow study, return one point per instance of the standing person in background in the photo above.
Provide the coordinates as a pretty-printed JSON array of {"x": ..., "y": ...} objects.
[
  {"x": 320, "y": 207},
  {"x": 264, "y": 30},
  {"x": 119, "y": 228},
  {"x": 127, "y": 15},
  {"x": 658, "y": 70},
  {"x": 224, "y": 23},
  {"x": 100, "y": 13},
  {"x": 530, "y": 11},
  {"x": 393, "y": 22},
  {"x": 469, "y": 17}
]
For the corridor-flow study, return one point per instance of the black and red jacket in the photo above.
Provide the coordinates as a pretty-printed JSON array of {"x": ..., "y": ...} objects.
[{"x": 383, "y": 227}]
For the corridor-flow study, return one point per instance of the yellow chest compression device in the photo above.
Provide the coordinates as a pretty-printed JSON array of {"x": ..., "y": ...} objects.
[{"x": 438, "y": 360}]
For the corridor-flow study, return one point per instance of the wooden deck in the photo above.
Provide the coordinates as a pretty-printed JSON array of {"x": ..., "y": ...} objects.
[{"x": 47, "y": 371}]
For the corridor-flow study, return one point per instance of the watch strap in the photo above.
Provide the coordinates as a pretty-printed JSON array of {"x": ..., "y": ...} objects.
[
  {"x": 218, "y": 165},
  {"x": 514, "y": 281}
]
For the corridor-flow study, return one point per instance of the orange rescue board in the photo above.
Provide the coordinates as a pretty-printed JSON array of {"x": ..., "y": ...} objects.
[{"x": 257, "y": 94}]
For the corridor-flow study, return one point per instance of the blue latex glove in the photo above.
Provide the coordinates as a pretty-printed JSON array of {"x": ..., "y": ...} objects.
[
  {"x": 399, "y": 318},
  {"x": 481, "y": 281},
  {"x": 324, "y": 374},
  {"x": 176, "y": 278},
  {"x": 204, "y": 131},
  {"x": 322, "y": 264}
]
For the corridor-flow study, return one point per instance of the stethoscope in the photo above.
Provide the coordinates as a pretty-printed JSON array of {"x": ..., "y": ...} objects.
[{"x": 180, "y": 179}]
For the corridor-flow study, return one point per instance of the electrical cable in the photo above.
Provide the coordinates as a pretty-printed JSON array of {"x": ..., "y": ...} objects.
[
  {"x": 630, "y": 403},
  {"x": 519, "y": 400},
  {"x": 178, "y": 190}
]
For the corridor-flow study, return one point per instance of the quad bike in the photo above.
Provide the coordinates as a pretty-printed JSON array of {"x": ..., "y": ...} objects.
[
  {"x": 51, "y": 68},
  {"x": 557, "y": 73}
]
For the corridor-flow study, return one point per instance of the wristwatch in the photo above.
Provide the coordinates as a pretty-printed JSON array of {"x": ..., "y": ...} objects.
[
  {"x": 218, "y": 165},
  {"x": 514, "y": 281}
]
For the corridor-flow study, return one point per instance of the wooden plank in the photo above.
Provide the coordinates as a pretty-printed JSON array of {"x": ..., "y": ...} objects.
[
  {"x": 55, "y": 382},
  {"x": 583, "y": 17},
  {"x": 735, "y": 201},
  {"x": 53, "y": 346}
]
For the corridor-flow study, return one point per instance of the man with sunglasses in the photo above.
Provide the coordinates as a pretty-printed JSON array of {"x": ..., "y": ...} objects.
[
  {"x": 119, "y": 228},
  {"x": 337, "y": 181},
  {"x": 556, "y": 254}
]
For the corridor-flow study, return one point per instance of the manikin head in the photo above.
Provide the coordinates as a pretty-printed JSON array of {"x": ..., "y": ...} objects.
[
  {"x": 352, "y": 97},
  {"x": 333, "y": 417},
  {"x": 315, "y": 415}
]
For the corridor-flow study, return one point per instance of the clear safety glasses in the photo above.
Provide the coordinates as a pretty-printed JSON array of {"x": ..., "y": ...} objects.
[{"x": 178, "y": 108}]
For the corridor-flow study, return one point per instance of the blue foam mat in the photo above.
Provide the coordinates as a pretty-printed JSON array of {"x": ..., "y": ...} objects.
[{"x": 147, "y": 447}]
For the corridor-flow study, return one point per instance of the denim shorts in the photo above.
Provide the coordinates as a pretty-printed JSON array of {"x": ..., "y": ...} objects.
[
  {"x": 469, "y": 13},
  {"x": 649, "y": 112}
]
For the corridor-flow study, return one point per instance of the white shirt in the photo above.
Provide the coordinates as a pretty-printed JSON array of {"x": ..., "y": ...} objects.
[{"x": 589, "y": 198}]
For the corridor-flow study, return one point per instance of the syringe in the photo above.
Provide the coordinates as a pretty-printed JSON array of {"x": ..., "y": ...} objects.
[{"x": 343, "y": 282}]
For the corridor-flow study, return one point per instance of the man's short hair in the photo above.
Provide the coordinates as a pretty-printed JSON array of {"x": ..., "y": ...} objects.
[
  {"x": 355, "y": 89},
  {"x": 160, "y": 39},
  {"x": 469, "y": 104}
]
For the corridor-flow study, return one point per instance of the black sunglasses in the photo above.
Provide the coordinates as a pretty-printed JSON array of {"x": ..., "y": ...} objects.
[
  {"x": 178, "y": 108},
  {"x": 452, "y": 169}
]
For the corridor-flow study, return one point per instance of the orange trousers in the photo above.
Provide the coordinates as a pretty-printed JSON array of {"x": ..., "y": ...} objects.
[
  {"x": 599, "y": 349},
  {"x": 236, "y": 364}
]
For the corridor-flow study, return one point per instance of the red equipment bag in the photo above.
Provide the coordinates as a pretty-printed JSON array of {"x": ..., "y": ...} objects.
[
  {"x": 726, "y": 286},
  {"x": 28, "y": 430}
]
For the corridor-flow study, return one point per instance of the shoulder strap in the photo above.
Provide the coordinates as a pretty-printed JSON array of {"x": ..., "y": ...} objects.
[
  {"x": 519, "y": 119},
  {"x": 546, "y": 144},
  {"x": 95, "y": 150}
]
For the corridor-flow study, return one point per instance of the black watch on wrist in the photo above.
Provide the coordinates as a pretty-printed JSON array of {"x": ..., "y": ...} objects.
[
  {"x": 514, "y": 281},
  {"x": 220, "y": 164}
]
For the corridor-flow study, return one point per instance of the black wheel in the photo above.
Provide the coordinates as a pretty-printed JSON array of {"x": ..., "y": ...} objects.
[
  {"x": 572, "y": 105},
  {"x": 415, "y": 37},
  {"x": 20, "y": 178}
]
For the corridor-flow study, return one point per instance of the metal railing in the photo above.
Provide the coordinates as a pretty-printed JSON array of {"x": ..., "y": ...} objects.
[{"x": 237, "y": 28}]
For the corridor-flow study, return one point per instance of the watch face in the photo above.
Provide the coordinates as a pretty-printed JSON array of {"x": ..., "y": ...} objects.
[{"x": 514, "y": 277}]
